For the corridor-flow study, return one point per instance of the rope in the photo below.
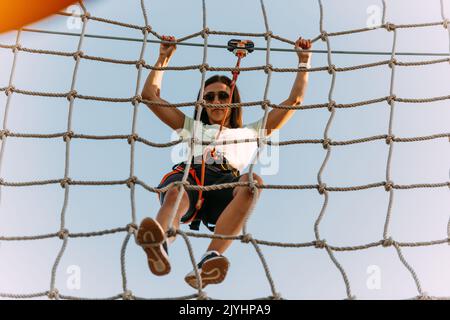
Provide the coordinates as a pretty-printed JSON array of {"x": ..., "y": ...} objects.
[{"x": 135, "y": 100}]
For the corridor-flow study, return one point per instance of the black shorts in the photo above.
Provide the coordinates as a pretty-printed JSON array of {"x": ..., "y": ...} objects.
[{"x": 215, "y": 201}]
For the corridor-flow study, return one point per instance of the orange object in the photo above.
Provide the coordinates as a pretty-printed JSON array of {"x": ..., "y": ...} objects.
[
  {"x": 193, "y": 174},
  {"x": 15, "y": 14}
]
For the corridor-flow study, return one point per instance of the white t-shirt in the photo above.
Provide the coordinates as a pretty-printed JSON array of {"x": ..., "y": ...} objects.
[{"x": 238, "y": 155}]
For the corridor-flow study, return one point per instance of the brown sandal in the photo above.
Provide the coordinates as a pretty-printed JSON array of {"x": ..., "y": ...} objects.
[{"x": 151, "y": 238}]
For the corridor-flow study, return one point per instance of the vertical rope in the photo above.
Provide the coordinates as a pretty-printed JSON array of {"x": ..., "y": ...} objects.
[
  {"x": 132, "y": 227},
  {"x": 410, "y": 269},
  {"x": 255, "y": 190},
  {"x": 199, "y": 105},
  {"x": 390, "y": 141},
  {"x": 447, "y": 26},
  {"x": 9, "y": 93},
  {"x": 63, "y": 234},
  {"x": 326, "y": 144}
]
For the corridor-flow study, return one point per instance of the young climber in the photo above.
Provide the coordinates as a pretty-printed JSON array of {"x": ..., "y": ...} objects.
[{"x": 222, "y": 211}]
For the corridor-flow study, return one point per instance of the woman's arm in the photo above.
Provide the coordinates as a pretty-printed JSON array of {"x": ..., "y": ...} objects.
[
  {"x": 173, "y": 117},
  {"x": 278, "y": 117}
]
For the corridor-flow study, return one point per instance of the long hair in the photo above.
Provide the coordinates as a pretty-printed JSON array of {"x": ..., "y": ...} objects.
[{"x": 236, "y": 113}]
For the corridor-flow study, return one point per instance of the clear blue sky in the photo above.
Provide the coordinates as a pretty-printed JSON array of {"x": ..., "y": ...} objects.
[{"x": 352, "y": 218}]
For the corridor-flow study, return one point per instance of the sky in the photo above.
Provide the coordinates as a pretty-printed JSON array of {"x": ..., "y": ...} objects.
[{"x": 352, "y": 218}]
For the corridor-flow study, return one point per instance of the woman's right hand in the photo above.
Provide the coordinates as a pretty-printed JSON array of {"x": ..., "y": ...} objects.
[{"x": 166, "y": 50}]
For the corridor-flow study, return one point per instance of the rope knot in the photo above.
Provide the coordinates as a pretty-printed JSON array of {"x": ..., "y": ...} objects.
[
  {"x": 53, "y": 294},
  {"x": 146, "y": 29},
  {"x": 276, "y": 296},
  {"x": 64, "y": 182},
  {"x": 16, "y": 48},
  {"x": 127, "y": 295},
  {"x": 424, "y": 296},
  {"x": 390, "y": 138},
  {"x": 331, "y": 105},
  {"x": 204, "y": 33},
  {"x": 265, "y": 104},
  {"x": 388, "y": 185},
  {"x": 85, "y": 16},
  {"x": 200, "y": 103},
  {"x": 203, "y": 67},
  {"x": 326, "y": 143},
  {"x": 267, "y": 68},
  {"x": 322, "y": 187},
  {"x": 268, "y": 34},
  {"x": 68, "y": 135},
  {"x": 136, "y": 100},
  {"x": 78, "y": 54},
  {"x": 389, "y": 26},
  {"x": 387, "y": 242},
  {"x": 63, "y": 234},
  {"x": 323, "y": 36},
  {"x": 445, "y": 23},
  {"x": 4, "y": 133},
  {"x": 171, "y": 232},
  {"x": 131, "y": 181},
  {"x": 71, "y": 95},
  {"x": 392, "y": 63},
  {"x": 180, "y": 183},
  {"x": 320, "y": 244},
  {"x": 9, "y": 90},
  {"x": 202, "y": 296},
  {"x": 132, "y": 138},
  {"x": 331, "y": 69},
  {"x": 246, "y": 238},
  {"x": 132, "y": 228},
  {"x": 391, "y": 99},
  {"x": 140, "y": 63}
]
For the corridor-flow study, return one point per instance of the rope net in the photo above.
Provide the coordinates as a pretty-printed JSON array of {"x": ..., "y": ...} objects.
[{"x": 130, "y": 229}]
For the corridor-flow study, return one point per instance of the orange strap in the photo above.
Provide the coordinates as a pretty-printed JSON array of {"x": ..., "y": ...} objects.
[
  {"x": 213, "y": 152},
  {"x": 193, "y": 174}
]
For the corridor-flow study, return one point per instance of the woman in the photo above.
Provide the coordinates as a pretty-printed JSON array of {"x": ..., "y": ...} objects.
[{"x": 222, "y": 211}]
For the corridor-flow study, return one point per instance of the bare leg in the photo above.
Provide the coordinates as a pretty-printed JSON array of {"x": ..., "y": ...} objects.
[
  {"x": 166, "y": 209},
  {"x": 233, "y": 216}
]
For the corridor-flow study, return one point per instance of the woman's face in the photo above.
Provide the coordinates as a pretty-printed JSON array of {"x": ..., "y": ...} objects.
[{"x": 217, "y": 93}]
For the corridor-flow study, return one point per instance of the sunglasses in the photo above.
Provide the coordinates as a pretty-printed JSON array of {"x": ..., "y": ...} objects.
[{"x": 221, "y": 95}]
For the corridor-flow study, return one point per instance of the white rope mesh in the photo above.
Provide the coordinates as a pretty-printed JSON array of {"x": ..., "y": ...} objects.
[{"x": 135, "y": 99}]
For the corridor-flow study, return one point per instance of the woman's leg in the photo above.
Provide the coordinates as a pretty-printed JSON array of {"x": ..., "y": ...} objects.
[
  {"x": 232, "y": 219},
  {"x": 166, "y": 209}
]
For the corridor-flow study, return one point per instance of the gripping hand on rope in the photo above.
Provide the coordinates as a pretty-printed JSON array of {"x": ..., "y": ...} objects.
[
  {"x": 166, "y": 50},
  {"x": 151, "y": 92},
  {"x": 301, "y": 45}
]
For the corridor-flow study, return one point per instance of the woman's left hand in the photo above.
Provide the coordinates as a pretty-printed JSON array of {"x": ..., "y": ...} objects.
[{"x": 300, "y": 45}]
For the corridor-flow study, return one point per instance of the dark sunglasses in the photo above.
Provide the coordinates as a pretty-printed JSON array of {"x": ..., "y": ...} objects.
[{"x": 222, "y": 95}]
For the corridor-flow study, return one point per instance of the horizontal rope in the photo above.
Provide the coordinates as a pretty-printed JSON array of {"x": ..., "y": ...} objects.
[
  {"x": 208, "y": 68},
  {"x": 137, "y": 138},
  {"x": 10, "y": 90},
  {"x": 288, "y": 41},
  {"x": 243, "y": 238},
  {"x": 221, "y": 186}
]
